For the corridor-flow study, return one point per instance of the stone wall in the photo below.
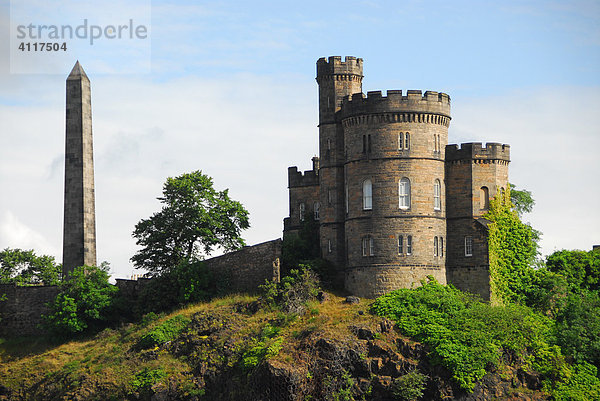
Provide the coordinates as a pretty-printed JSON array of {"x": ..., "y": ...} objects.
[
  {"x": 246, "y": 269},
  {"x": 21, "y": 312}
]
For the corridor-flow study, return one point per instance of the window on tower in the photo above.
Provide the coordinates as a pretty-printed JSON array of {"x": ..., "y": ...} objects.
[
  {"x": 404, "y": 193},
  {"x": 367, "y": 195},
  {"x": 302, "y": 209},
  {"x": 468, "y": 245},
  {"x": 437, "y": 195},
  {"x": 368, "y": 247},
  {"x": 484, "y": 198},
  {"x": 316, "y": 210}
]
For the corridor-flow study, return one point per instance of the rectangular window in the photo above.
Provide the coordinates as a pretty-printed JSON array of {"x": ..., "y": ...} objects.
[
  {"x": 364, "y": 246},
  {"x": 400, "y": 140},
  {"x": 468, "y": 245},
  {"x": 301, "y": 207},
  {"x": 400, "y": 245},
  {"x": 435, "y": 246},
  {"x": 371, "y": 247},
  {"x": 328, "y": 246},
  {"x": 406, "y": 140},
  {"x": 329, "y": 196},
  {"x": 409, "y": 245}
]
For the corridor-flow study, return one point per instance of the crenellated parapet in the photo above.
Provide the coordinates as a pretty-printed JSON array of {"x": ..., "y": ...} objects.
[
  {"x": 333, "y": 68},
  {"x": 474, "y": 151},
  {"x": 299, "y": 179},
  {"x": 414, "y": 107}
]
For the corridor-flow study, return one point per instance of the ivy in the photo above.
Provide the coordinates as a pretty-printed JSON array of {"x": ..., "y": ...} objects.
[{"x": 512, "y": 251}]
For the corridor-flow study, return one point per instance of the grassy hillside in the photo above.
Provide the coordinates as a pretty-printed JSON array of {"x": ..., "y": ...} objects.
[{"x": 236, "y": 348}]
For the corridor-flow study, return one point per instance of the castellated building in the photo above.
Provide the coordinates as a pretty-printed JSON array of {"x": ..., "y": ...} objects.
[{"x": 394, "y": 201}]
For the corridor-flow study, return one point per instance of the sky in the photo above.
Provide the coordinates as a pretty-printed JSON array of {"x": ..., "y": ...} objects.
[{"x": 228, "y": 87}]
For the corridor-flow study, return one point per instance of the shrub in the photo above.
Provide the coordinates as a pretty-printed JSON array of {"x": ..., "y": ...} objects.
[
  {"x": 84, "y": 302},
  {"x": 293, "y": 292},
  {"x": 146, "y": 378},
  {"x": 465, "y": 334},
  {"x": 165, "y": 332},
  {"x": 409, "y": 387}
]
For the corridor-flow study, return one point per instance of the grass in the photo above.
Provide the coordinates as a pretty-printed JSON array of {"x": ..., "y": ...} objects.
[{"x": 109, "y": 364}]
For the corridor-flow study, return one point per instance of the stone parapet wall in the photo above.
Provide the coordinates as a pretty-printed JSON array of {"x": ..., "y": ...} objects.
[
  {"x": 246, "y": 269},
  {"x": 21, "y": 312}
]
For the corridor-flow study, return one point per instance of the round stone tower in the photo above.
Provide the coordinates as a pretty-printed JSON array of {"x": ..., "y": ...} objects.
[
  {"x": 337, "y": 79},
  {"x": 394, "y": 209}
]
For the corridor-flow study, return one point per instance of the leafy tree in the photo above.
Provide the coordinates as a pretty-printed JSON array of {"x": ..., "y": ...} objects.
[
  {"x": 84, "y": 302},
  {"x": 581, "y": 269},
  {"x": 26, "y": 268},
  {"x": 521, "y": 199},
  {"x": 195, "y": 218}
]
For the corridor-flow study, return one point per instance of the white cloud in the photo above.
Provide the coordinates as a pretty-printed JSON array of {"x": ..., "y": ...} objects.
[{"x": 15, "y": 234}]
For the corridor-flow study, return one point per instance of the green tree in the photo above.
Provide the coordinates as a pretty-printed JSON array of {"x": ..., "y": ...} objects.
[
  {"x": 194, "y": 219},
  {"x": 84, "y": 302},
  {"x": 22, "y": 267},
  {"x": 581, "y": 269},
  {"x": 521, "y": 199}
]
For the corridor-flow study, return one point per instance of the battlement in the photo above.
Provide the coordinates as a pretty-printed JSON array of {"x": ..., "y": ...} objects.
[
  {"x": 414, "y": 101},
  {"x": 475, "y": 151},
  {"x": 298, "y": 179},
  {"x": 335, "y": 66}
]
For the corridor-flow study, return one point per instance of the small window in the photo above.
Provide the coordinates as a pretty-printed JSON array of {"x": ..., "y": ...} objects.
[
  {"x": 442, "y": 247},
  {"x": 484, "y": 198},
  {"x": 347, "y": 203},
  {"x": 400, "y": 245},
  {"x": 364, "y": 144},
  {"x": 468, "y": 245},
  {"x": 329, "y": 196},
  {"x": 328, "y": 246},
  {"x": 368, "y": 246},
  {"x": 302, "y": 210},
  {"x": 407, "y": 141},
  {"x": 328, "y": 144},
  {"x": 401, "y": 141},
  {"x": 367, "y": 195},
  {"x": 437, "y": 195},
  {"x": 435, "y": 246},
  {"x": 409, "y": 245},
  {"x": 404, "y": 193},
  {"x": 316, "y": 209}
]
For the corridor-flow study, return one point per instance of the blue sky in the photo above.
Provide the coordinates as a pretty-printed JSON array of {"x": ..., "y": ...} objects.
[{"x": 230, "y": 89}]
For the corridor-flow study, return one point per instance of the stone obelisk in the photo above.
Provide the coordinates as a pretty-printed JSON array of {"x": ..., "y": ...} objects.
[{"x": 79, "y": 236}]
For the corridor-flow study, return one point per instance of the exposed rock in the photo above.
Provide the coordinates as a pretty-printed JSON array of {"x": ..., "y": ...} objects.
[{"x": 352, "y": 300}]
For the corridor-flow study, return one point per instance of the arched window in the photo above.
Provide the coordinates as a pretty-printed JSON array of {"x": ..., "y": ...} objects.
[
  {"x": 316, "y": 209},
  {"x": 302, "y": 209},
  {"x": 409, "y": 245},
  {"x": 435, "y": 246},
  {"x": 442, "y": 247},
  {"x": 437, "y": 195},
  {"x": 404, "y": 193},
  {"x": 328, "y": 246},
  {"x": 400, "y": 140},
  {"x": 400, "y": 245},
  {"x": 367, "y": 195},
  {"x": 406, "y": 140},
  {"x": 484, "y": 198},
  {"x": 347, "y": 201}
]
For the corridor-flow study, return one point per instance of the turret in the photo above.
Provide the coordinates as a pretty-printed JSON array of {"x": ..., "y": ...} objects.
[{"x": 337, "y": 79}]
